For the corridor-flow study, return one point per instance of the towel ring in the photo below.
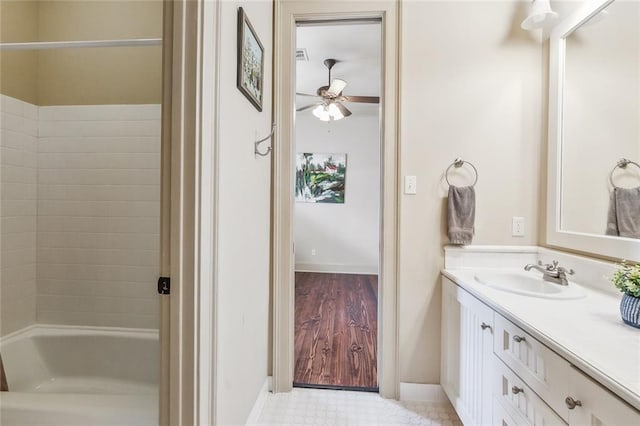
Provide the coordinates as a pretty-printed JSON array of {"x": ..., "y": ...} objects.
[
  {"x": 457, "y": 163},
  {"x": 621, "y": 164}
]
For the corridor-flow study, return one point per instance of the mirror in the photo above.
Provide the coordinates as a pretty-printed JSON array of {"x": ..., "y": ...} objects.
[{"x": 594, "y": 130}]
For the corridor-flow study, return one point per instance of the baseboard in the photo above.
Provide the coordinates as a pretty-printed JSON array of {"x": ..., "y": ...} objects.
[
  {"x": 422, "y": 392},
  {"x": 254, "y": 415},
  {"x": 336, "y": 268}
]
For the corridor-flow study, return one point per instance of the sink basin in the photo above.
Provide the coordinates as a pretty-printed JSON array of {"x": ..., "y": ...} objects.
[{"x": 529, "y": 285}]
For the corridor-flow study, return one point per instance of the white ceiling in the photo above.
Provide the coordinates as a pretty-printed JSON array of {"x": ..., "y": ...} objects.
[{"x": 355, "y": 46}]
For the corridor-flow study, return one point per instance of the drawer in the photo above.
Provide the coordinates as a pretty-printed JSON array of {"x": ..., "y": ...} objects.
[
  {"x": 519, "y": 401},
  {"x": 545, "y": 372},
  {"x": 503, "y": 417}
]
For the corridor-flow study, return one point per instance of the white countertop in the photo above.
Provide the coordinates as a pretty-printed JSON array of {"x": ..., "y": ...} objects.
[{"x": 587, "y": 332}]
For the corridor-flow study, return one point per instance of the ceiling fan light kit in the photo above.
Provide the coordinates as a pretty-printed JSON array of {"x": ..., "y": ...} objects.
[
  {"x": 328, "y": 112},
  {"x": 540, "y": 15},
  {"x": 330, "y": 107}
]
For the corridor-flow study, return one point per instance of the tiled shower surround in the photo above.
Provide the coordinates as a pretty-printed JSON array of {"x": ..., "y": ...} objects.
[
  {"x": 18, "y": 190},
  {"x": 95, "y": 201}
]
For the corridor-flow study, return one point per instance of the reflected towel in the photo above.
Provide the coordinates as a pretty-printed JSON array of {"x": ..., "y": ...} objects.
[
  {"x": 623, "y": 218},
  {"x": 461, "y": 213}
]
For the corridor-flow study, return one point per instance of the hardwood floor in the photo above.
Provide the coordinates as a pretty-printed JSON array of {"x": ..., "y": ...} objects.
[{"x": 336, "y": 330}]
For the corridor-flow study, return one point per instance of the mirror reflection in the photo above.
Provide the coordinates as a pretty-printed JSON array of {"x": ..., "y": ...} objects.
[{"x": 601, "y": 125}]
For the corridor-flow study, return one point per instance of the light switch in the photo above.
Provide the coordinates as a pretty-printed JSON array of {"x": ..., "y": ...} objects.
[{"x": 410, "y": 184}]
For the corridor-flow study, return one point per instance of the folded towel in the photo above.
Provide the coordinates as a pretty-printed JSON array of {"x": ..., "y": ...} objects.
[
  {"x": 627, "y": 211},
  {"x": 461, "y": 213}
]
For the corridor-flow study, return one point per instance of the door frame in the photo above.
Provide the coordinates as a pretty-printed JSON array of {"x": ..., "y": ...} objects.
[
  {"x": 287, "y": 12},
  {"x": 189, "y": 215}
]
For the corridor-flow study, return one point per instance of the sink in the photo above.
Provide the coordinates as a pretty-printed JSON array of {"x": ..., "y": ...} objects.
[{"x": 529, "y": 285}]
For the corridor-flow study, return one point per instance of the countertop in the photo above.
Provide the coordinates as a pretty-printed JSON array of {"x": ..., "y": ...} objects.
[{"x": 587, "y": 332}]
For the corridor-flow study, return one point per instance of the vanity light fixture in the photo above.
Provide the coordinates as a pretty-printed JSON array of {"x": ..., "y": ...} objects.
[{"x": 540, "y": 15}]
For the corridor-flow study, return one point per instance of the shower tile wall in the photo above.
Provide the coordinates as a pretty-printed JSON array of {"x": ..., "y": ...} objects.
[
  {"x": 98, "y": 215},
  {"x": 18, "y": 144}
]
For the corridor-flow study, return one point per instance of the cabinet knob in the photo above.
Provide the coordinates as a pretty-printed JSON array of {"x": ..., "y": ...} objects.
[
  {"x": 572, "y": 403},
  {"x": 485, "y": 326},
  {"x": 518, "y": 338},
  {"x": 516, "y": 390}
]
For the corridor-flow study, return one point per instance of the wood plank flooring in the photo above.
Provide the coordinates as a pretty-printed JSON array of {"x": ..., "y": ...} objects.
[{"x": 336, "y": 330}]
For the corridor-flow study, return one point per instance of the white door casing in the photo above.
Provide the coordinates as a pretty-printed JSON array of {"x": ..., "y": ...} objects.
[
  {"x": 287, "y": 13},
  {"x": 188, "y": 253}
]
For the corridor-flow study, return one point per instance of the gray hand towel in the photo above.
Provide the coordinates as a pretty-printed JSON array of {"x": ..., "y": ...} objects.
[
  {"x": 612, "y": 220},
  {"x": 627, "y": 209},
  {"x": 461, "y": 213}
]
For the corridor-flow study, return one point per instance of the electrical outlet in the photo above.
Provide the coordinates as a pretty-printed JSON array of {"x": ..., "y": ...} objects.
[
  {"x": 518, "y": 227},
  {"x": 410, "y": 183},
  {"x": 313, "y": 252}
]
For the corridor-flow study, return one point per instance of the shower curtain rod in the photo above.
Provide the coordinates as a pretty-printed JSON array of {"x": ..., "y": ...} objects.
[{"x": 39, "y": 45}]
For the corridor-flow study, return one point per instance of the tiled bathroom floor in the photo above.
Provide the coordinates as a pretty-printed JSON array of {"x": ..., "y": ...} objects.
[{"x": 327, "y": 407}]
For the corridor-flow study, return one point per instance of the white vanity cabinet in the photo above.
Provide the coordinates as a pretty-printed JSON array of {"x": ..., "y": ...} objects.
[
  {"x": 514, "y": 397},
  {"x": 546, "y": 372},
  {"x": 595, "y": 405},
  {"x": 495, "y": 373},
  {"x": 467, "y": 354}
]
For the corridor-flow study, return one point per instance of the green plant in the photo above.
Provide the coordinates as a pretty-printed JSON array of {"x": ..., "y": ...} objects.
[{"x": 627, "y": 279}]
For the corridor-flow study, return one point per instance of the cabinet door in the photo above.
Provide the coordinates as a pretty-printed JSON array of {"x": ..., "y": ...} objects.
[
  {"x": 467, "y": 347},
  {"x": 597, "y": 406}
]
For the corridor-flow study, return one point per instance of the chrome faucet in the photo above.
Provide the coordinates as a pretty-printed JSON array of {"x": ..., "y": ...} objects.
[{"x": 552, "y": 272}]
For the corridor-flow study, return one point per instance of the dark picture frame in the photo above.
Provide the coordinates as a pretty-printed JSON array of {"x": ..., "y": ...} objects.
[{"x": 250, "y": 71}]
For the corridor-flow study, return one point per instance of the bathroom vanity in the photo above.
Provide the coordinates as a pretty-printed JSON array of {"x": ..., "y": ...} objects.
[
  {"x": 517, "y": 350},
  {"x": 535, "y": 356}
]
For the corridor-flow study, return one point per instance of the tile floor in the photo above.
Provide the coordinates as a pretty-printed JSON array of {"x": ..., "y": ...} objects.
[{"x": 328, "y": 407}]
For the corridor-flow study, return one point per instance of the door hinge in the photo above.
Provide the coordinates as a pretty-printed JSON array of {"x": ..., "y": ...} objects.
[{"x": 164, "y": 285}]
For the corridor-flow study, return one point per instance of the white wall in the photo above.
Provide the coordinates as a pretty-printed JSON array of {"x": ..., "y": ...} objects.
[
  {"x": 243, "y": 225},
  {"x": 18, "y": 159},
  {"x": 98, "y": 215},
  {"x": 601, "y": 115},
  {"x": 471, "y": 86},
  {"x": 345, "y": 236}
]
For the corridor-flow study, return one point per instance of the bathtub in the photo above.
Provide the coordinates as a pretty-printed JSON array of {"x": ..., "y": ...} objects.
[{"x": 67, "y": 375}]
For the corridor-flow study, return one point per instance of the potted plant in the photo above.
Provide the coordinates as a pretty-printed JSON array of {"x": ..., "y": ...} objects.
[{"x": 627, "y": 280}]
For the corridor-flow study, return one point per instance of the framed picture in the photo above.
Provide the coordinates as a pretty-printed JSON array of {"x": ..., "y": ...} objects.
[
  {"x": 320, "y": 178},
  {"x": 250, "y": 72}
]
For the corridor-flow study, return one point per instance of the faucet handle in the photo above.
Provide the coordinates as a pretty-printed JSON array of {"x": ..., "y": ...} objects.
[
  {"x": 548, "y": 266},
  {"x": 566, "y": 271}
]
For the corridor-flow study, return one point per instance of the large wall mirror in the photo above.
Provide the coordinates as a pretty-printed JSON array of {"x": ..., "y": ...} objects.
[{"x": 594, "y": 130}]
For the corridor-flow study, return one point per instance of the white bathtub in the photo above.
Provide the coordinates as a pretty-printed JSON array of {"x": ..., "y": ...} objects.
[{"x": 65, "y": 375}]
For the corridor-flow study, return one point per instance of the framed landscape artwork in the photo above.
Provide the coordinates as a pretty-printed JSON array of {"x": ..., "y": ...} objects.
[
  {"x": 320, "y": 178},
  {"x": 250, "y": 72}
]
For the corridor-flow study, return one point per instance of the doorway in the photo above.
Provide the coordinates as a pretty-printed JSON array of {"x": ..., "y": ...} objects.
[
  {"x": 337, "y": 203},
  {"x": 288, "y": 15}
]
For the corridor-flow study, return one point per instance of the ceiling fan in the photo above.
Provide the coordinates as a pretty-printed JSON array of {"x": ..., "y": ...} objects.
[{"x": 329, "y": 107}]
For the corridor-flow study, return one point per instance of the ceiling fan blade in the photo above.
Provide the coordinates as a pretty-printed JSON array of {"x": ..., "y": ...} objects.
[
  {"x": 337, "y": 86},
  {"x": 306, "y": 94},
  {"x": 362, "y": 99},
  {"x": 304, "y": 108},
  {"x": 343, "y": 109}
]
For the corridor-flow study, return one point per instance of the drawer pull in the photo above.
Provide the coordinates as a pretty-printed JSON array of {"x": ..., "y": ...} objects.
[
  {"x": 518, "y": 339},
  {"x": 516, "y": 390},
  {"x": 572, "y": 403},
  {"x": 485, "y": 326}
]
